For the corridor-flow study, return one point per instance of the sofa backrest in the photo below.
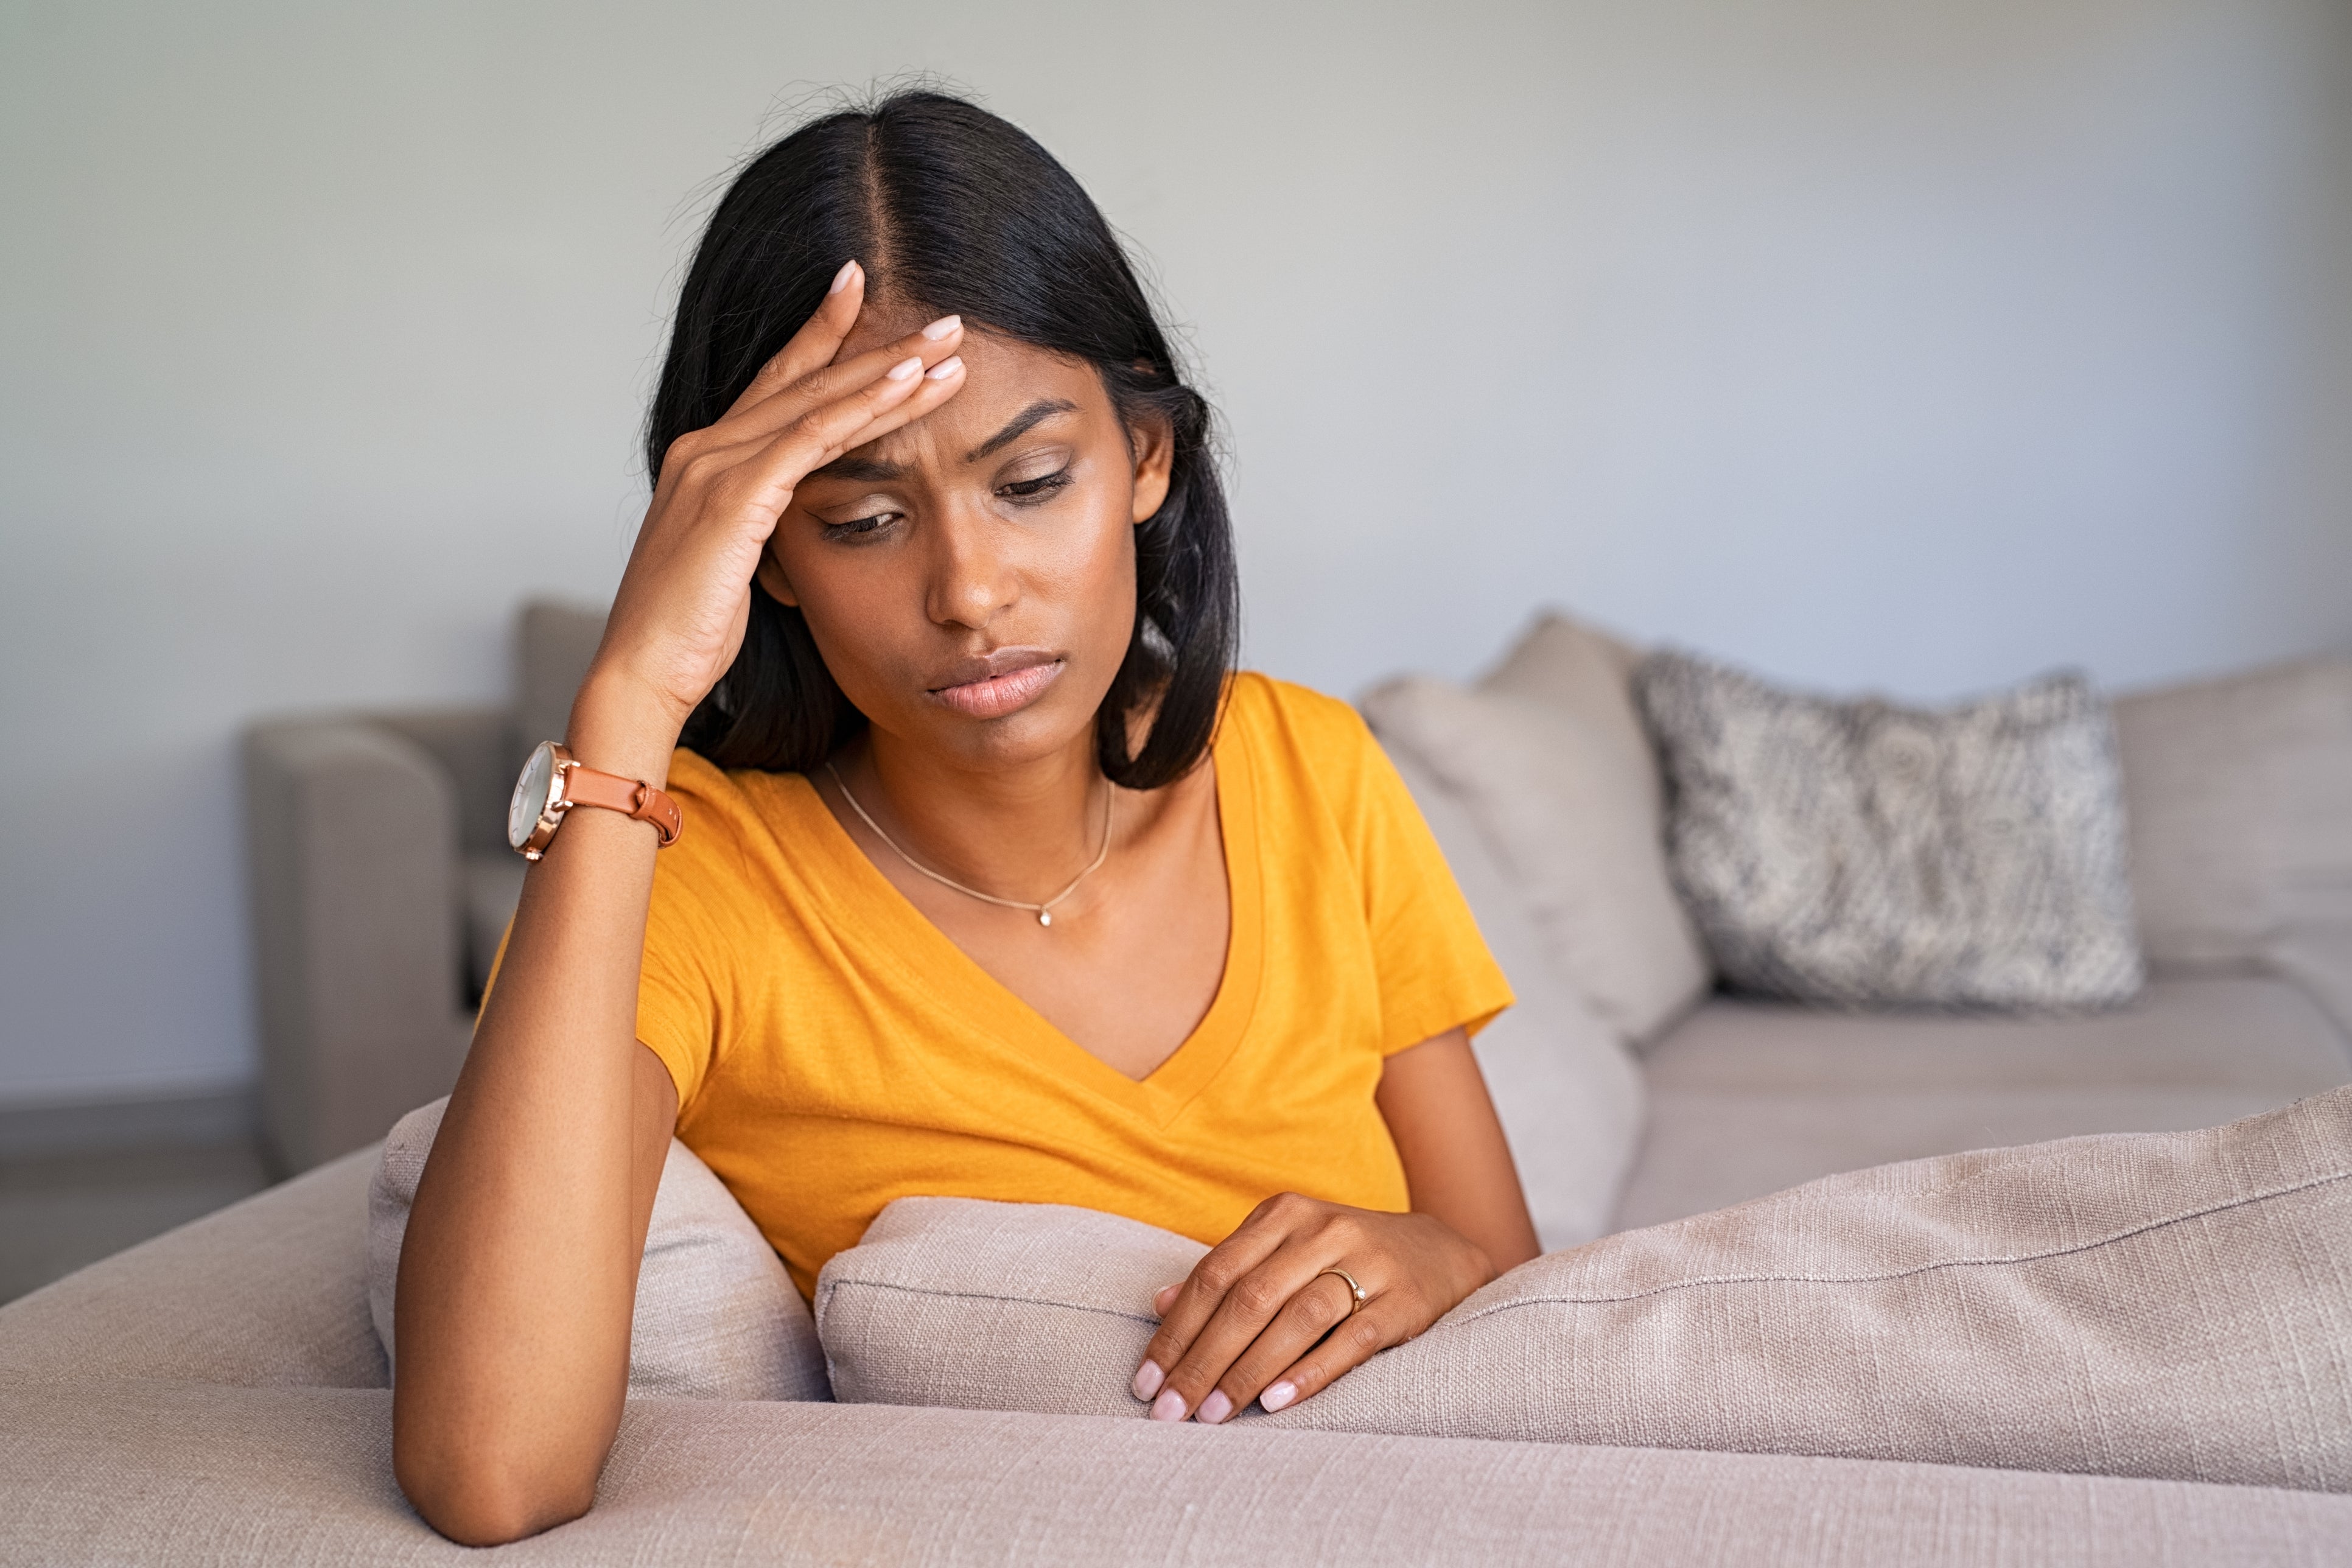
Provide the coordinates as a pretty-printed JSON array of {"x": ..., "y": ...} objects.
[
  {"x": 2239, "y": 793},
  {"x": 554, "y": 642}
]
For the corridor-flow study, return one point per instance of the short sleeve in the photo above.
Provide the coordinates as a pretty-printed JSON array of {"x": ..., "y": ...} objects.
[
  {"x": 678, "y": 988},
  {"x": 1435, "y": 971},
  {"x": 681, "y": 983}
]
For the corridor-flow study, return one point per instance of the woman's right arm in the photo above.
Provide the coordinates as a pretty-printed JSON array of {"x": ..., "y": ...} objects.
[{"x": 518, "y": 1277}]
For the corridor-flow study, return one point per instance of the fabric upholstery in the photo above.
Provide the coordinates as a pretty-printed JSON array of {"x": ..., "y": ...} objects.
[
  {"x": 2317, "y": 956},
  {"x": 1747, "y": 1097},
  {"x": 352, "y": 831},
  {"x": 554, "y": 642},
  {"x": 476, "y": 748},
  {"x": 717, "y": 1317},
  {"x": 1859, "y": 854},
  {"x": 989, "y": 1306},
  {"x": 270, "y": 1290},
  {"x": 493, "y": 885},
  {"x": 2239, "y": 793},
  {"x": 1577, "y": 668},
  {"x": 171, "y": 1475},
  {"x": 1570, "y": 810},
  {"x": 2162, "y": 1305},
  {"x": 2250, "y": 1032},
  {"x": 1569, "y": 1095}
]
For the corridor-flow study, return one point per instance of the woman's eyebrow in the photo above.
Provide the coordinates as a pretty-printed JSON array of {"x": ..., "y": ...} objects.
[
  {"x": 1044, "y": 408},
  {"x": 859, "y": 470}
]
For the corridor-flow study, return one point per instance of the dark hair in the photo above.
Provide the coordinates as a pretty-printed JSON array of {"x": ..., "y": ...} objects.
[{"x": 951, "y": 209}]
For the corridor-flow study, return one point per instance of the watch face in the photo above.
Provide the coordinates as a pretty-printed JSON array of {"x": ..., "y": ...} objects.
[{"x": 531, "y": 794}]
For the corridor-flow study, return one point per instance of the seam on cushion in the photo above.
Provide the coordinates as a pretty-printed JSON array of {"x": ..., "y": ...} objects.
[
  {"x": 1891, "y": 1275},
  {"x": 987, "y": 1296}
]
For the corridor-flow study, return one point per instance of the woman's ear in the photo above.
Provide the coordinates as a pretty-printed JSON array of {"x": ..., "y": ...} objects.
[
  {"x": 1153, "y": 441},
  {"x": 771, "y": 577}
]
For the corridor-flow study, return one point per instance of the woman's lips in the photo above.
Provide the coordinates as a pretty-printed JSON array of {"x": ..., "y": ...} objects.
[{"x": 997, "y": 694}]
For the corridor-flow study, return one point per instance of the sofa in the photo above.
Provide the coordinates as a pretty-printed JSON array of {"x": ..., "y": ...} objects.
[{"x": 221, "y": 1392}]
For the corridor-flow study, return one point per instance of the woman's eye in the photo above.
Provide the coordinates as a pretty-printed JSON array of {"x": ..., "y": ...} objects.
[
  {"x": 861, "y": 527},
  {"x": 1036, "y": 489}
]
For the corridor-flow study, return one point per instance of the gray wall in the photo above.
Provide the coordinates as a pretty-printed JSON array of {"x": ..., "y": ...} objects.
[{"x": 1920, "y": 345}]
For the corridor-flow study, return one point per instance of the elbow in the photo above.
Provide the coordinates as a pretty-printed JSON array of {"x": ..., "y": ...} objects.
[{"x": 477, "y": 1499}]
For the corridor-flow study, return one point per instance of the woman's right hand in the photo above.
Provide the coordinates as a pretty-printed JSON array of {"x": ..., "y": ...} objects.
[{"x": 685, "y": 599}]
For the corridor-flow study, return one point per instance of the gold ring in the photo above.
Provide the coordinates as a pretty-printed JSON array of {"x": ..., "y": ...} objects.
[{"x": 1357, "y": 1294}]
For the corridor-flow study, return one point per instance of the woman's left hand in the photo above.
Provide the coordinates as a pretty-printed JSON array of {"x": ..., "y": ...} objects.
[{"x": 1245, "y": 1323}]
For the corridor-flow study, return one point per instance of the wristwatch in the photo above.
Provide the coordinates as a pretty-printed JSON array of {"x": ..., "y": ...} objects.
[{"x": 553, "y": 782}]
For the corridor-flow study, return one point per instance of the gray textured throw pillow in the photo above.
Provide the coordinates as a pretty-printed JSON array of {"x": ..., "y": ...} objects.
[
  {"x": 1861, "y": 853},
  {"x": 2164, "y": 1304}
]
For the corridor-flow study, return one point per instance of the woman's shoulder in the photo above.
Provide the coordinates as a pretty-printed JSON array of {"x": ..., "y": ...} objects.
[
  {"x": 736, "y": 810},
  {"x": 694, "y": 776},
  {"x": 1324, "y": 730},
  {"x": 1255, "y": 698},
  {"x": 1305, "y": 742}
]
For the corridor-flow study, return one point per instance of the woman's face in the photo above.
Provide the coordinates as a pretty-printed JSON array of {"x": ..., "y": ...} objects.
[{"x": 970, "y": 579}]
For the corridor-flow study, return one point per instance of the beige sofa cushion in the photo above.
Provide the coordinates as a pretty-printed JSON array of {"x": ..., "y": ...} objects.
[
  {"x": 165, "y": 1474},
  {"x": 272, "y": 1290},
  {"x": 1584, "y": 673},
  {"x": 2166, "y": 1304},
  {"x": 1570, "y": 808},
  {"x": 2317, "y": 956},
  {"x": 2239, "y": 796},
  {"x": 717, "y": 1316},
  {"x": 1747, "y": 1097},
  {"x": 1569, "y": 1095}
]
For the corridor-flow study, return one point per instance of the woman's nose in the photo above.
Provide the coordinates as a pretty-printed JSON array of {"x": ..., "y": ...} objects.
[{"x": 972, "y": 581}]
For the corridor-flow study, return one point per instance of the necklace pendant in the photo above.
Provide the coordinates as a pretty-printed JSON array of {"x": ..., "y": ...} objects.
[{"x": 1044, "y": 917}]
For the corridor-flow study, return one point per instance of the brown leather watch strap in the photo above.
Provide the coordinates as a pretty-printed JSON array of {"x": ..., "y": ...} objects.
[{"x": 585, "y": 786}]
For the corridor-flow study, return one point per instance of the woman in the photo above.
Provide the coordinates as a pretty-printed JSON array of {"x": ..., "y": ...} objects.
[{"x": 993, "y": 880}]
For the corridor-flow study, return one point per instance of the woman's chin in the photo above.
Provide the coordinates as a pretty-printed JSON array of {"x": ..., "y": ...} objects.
[{"x": 1052, "y": 726}]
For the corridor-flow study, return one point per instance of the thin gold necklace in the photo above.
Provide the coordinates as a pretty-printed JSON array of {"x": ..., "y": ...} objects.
[{"x": 1044, "y": 912}]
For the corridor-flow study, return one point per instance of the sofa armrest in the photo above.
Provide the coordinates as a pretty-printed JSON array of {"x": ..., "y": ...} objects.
[
  {"x": 353, "y": 844},
  {"x": 168, "y": 1474},
  {"x": 270, "y": 1291},
  {"x": 477, "y": 748}
]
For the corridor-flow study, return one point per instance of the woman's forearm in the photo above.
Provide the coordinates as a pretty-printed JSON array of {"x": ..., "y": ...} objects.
[
  {"x": 518, "y": 1277},
  {"x": 1457, "y": 1164},
  {"x": 519, "y": 1271}
]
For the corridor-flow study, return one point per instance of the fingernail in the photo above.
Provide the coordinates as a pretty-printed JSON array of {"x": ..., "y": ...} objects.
[
  {"x": 1169, "y": 1406},
  {"x": 952, "y": 365},
  {"x": 1215, "y": 1408},
  {"x": 1164, "y": 1297},
  {"x": 942, "y": 327},
  {"x": 841, "y": 279},
  {"x": 1148, "y": 1379},
  {"x": 905, "y": 369},
  {"x": 1276, "y": 1397}
]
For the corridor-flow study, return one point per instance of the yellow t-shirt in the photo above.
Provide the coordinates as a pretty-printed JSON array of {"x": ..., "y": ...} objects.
[{"x": 832, "y": 1049}]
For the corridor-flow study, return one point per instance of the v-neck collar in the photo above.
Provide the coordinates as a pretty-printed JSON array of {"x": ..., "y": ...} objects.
[{"x": 865, "y": 907}]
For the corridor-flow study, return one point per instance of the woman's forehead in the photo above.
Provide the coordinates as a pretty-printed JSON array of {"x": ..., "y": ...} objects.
[
  {"x": 880, "y": 325},
  {"x": 1004, "y": 378}
]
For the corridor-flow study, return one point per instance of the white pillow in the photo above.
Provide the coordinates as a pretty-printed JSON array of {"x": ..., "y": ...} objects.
[
  {"x": 1570, "y": 807},
  {"x": 2169, "y": 1305},
  {"x": 717, "y": 1316},
  {"x": 1569, "y": 1097},
  {"x": 1584, "y": 673}
]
